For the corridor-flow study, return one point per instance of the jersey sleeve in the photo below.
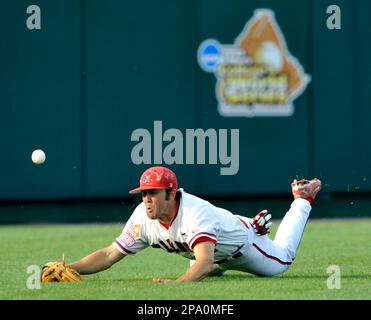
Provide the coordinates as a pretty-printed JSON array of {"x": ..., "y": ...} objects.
[
  {"x": 132, "y": 238},
  {"x": 202, "y": 227}
]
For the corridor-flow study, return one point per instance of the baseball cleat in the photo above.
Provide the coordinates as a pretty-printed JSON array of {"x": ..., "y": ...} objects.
[{"x": 306, "y": 189}]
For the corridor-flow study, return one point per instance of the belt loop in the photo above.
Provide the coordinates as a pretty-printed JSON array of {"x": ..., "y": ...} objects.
[{"x": 235, "y": 255}]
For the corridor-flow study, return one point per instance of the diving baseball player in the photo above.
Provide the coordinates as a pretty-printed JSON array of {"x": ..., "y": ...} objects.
[{"x": 214, "y": 239}]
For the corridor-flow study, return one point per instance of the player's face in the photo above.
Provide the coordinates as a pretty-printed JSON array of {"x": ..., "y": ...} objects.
[{"x": 157, "y": 206}]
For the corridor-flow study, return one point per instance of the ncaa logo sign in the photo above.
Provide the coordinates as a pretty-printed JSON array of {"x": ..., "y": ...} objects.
[
  {"x": 256, "y": 75},
  {"x": 209, "y": 55}
]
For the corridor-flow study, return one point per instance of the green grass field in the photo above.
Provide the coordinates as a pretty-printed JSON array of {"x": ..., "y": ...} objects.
[{"x": 345, "y": 243}]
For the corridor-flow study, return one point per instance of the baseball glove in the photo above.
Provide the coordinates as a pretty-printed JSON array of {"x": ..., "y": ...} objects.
[{"x": 57, "y": 271}]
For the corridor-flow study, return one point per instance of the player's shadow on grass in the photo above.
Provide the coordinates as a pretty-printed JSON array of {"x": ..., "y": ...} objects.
[
  {"x": 313, "y": 276},
  {"x": 283, "y": 276}
]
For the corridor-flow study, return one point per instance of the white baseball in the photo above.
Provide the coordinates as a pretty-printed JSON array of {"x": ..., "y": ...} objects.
[{"x": 38, "y": 156}]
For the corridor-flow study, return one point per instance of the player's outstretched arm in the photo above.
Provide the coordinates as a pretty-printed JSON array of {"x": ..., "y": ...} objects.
[
  {"x": 97, "y": 261},
  {"x": 204, "y": 264}
]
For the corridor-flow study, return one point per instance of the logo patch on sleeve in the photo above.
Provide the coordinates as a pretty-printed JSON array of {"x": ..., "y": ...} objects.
[{"x": 131, "y": 234}]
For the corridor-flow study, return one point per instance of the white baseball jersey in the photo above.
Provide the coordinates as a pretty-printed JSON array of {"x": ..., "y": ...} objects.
[{"x": 197, "y": 220}]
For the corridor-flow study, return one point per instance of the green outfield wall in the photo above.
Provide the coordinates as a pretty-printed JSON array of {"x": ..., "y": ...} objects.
[{"x": 96, "y": 71}]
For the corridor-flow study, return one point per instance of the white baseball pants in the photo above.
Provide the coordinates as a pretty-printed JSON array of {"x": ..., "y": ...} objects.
[{"x": 265, "y": 257}]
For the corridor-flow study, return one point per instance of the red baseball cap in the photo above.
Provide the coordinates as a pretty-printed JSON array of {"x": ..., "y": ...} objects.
[{"x": 157, "y": 178}]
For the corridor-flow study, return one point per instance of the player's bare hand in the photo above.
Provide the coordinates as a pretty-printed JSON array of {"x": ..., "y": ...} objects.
[
  {"x": 261, "y": 223},
  {"x": 159, "y": 280}
]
